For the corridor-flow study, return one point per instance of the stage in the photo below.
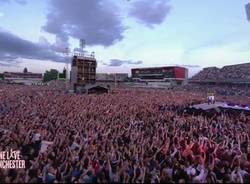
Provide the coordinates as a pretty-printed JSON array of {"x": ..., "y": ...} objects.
[
  {"x": 218, "y": 107},
  {"x": 206, "y": 106}
]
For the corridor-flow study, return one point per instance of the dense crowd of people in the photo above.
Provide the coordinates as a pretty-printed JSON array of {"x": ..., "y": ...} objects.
[
  {"x": 210, "y": 73},
  {"x": 223, "y": 90},
  {"x": 231, "y": 72},
  {"x": 126, "y": 136}
]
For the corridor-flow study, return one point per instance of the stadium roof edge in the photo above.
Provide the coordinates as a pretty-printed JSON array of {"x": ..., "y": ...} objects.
[{"x": 158, "y": 67}]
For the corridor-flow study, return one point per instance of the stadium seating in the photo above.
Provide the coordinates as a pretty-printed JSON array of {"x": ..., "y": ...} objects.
[{"x": 240, "y": 72}]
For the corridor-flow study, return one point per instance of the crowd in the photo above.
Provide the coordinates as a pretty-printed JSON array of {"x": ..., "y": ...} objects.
[
  {"x": 210, "y": 73},
  {"x": 235, "y": 72},
  {"x": 126, "y": 136},
  {"x": 223, "y": 90},
  {"x": 231, "y": 72}
]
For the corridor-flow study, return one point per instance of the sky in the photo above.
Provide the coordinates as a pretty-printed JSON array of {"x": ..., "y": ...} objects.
[{"x": 124, "y": 34}]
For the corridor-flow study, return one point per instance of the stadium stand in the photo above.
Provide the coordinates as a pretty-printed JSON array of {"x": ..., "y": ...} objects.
[
  {"x": 207, "y": 74},
  {"x": 231, "y": 73}
]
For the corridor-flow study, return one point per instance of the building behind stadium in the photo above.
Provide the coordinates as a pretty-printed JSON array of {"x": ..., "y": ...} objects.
[
  {"x": 111, "y": 77},
  {"x": 25, "y": 77}
]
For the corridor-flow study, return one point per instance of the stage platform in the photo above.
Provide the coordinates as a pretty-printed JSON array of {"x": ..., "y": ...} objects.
[
  {"x": 206, "y": 106},
  {"x": 217, "y": 107}
]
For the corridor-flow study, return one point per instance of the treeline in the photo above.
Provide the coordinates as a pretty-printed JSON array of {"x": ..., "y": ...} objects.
[{"x": 54, "y": 74}]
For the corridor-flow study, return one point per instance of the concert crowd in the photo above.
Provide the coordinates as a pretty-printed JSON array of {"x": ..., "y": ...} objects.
[
  {"x": 222, "y": 90},
  {"x": 126, "y": 136}
]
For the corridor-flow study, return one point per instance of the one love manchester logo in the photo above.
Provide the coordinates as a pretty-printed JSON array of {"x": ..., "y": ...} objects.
[{"x": 11, "y": 160}]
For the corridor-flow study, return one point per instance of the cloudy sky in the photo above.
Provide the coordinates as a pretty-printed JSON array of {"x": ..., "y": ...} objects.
[{"x": 124, "y": 33}]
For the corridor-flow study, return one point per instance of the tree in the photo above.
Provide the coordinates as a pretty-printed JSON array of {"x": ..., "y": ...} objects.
[
  {"x": 1, "y": 76},
  {"x": 63, "y": 75},
  {"x": 25, "y": 70},
  {"x": 50, "y": 75}
]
